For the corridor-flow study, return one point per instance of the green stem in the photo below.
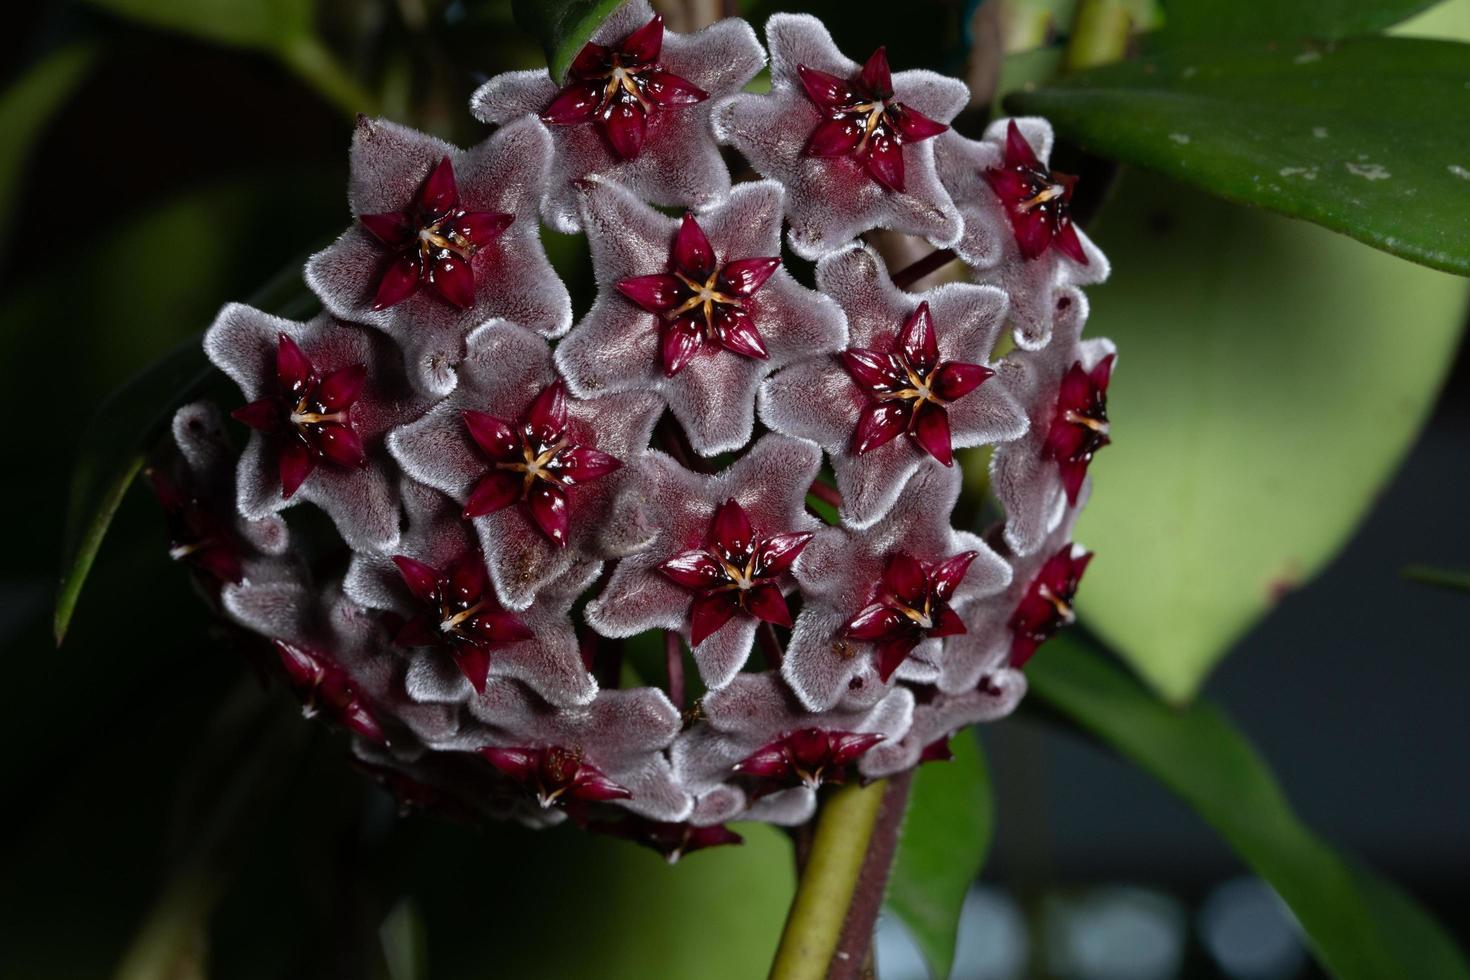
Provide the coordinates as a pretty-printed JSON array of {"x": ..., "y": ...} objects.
[
  {"x": 1099, "y": 34},
  {"x": 314, "y": 64},
  {"x": 814, "y": 923}
]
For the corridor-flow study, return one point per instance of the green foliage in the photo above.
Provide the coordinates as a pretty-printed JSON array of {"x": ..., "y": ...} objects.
[
  {"x": 27, "y": 106},
  {"x": 1359, "y": 925},
  {"x": 1271, "y": 377},
  {"x": 562, "y": 26},
  {"x": 946, "y": 834},
  {"x": 1446, "y": 578},
  {"x": 1355, "y": 136},
  {"x": 1282, "y": 19}
]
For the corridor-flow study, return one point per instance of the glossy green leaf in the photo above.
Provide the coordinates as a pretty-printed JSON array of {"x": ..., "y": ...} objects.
[
  {"x": 1359, "y": 136},
  {"x": 1455, "y": 580},
  {"x": 562, "y": 26},
  {"x": 1271, "y": 376},
  {"x": 25, "y": 108},
  {"x": 946, "y": 834},
  {"x": 1283, "y": 19},
  {"x": 1361, "y": 927}
]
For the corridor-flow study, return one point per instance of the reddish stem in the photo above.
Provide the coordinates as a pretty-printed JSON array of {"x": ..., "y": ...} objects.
[
  {"x": 914, "y": 271},
  {"x": 770, "y": 645},
  {"x": 825, "y": 493},
  {"x": 674, "y": 660},
  {"x": 853, "y": 948}
]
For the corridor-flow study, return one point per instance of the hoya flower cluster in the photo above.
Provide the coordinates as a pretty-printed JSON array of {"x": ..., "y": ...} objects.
[{"x": 507, "y": 495}]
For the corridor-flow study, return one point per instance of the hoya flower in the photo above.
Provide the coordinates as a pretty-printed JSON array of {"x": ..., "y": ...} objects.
[
  {"x": 555, "y": 775},
  {"x": 942, "y": 716},
  {"x": 635, "y": 109},
  {"x": 1018, "y": 231},
  {"x": 852, "y": 145},
  {"x": 718, "y": 563},
  {"x": 912, "y": 386},
  {"x": 698, "y": 310},
  {"x": 533, "y": 467},
  {"x": 618, "y": 742},
  {"x": 1003, "y": 630},
  {"x": 447, "y": 622},
  {"x": 324, "y": 688},
  {"x": 443, "y": 240},
  {"x": 1039, "y": 477},
  {"x": 672, "y": 840},
  {"x": 319, "y": 398},
  {"x": 196, "y": 489},
  {"x": 883, "y": 598},
  {"x": 760, "y": 754}
]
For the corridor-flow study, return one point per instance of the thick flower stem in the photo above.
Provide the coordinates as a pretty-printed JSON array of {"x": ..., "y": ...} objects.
[
  {"x": 919, "y": 268},
  {"x": 841, "y": 887}
]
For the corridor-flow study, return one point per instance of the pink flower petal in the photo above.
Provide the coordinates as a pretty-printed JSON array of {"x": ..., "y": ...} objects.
[
  {"x": 892, "y": 653},
  {"x": 654, "y": 293},
  {"x": 955, "y": 379},
  {"x": 546, "y": 418},
  {"x": 590, "y": 61},
  {"x": 878, "y": 424},
  {"x": 624, "y": 125},
  {"x": 885, "y": 162},
  {"x": 495, "y": 438},
  {"x": 1103, "y": 372},
  {"x": 1018, "y": 152},
  {"x": 947, "y": 575},
  {"x": 496, "y": 490},
  {"x": 667, "y": 89},
  {"x": 744, "y": 276},
  {"x": 947, "y": 622},
  {"x": 454, "y": 280},
  {"x": 695, "y": 569},
  {"x": 439, "y": 193},
  {"x": 913, "y": 125},
  {"x": 873, "y": 369},
  {"x": 1068, "y": 243},
  {"x": 483, "y": 227},
  {"x": 646, "y": 42},
  {"x": 467, "y": 578},
  {"x": 875, "y": 76},
  {"x": 293, "y": 368},
  {"x": 400, "y": 281},
  {"x": 904, "y": 579},
  {"x": 548, "y": 505},
  {"x": 262, "y": 416},
  {"x": 766, "y": 602},
  {"x": 502, "y": 629},
  {"x": 827, "y": 91},
  {"x": 730, "y": 531},
  {"x": 583, "y": 464},
  {"x": 918, "y": 340},
  {"x": 577, "y": 103},
  {"x": 692, "y": 253},
  {"x": 682, "y": 340},
  {"x": 342, "y": 445},
  {"x": 1033, "y": 232},
  {"x": 474, "y": 663},
  {"x": 391, "y": 228},
  {"x": 931, "y": 431},
  {"x": 422, "y": 580},
  {"x": 778, "y": 552},
  {"x": 875, "y": 621},
  {"x": 737, "y": 332},
  {"x": 834, "y": 138},
  {"x": 341, "y": 388},
  {"x": 708, "y": 613},
  {"x": 295, "y": 463}
]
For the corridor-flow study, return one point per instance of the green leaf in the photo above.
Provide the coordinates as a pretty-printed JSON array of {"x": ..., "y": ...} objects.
[
  {"x": 25, "y": 108},
  {"x": 1446, "y": 578},
  {"x": 1271, "y": 377},
  {"x": 1358, "y": 136},
  {"x": 946, "y": 834},
  {"x": 1361, "y": 927},
  {"x": 562, "y": 26},
  {"x": 1282, "y": 19}
]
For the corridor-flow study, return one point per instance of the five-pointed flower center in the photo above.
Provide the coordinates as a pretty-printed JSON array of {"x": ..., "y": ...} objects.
[
  {"x": 910, "y": 604},
  {"x": 1080, "y": 426},
  {"x": 555, "y": 775},
  {"x": 1046, "y": 606},
  {"x": 1037, "y": 201},
  {"x": 807, "y": 757}
]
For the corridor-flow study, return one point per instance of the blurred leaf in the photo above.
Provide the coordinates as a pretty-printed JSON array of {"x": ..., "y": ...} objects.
[
  {"x": 1445, "y": 578},
  {"x": 1282, "y": 19},
  {"x": 25, "y": 108},
  {"x": 562, "y": 26},
  {"x": 1271, "y": 377},
  {"x": 946, "y": 833},
  {"x": 1361, "y": 927},
  {"x": 281, "y": 27},
  {"x": 1356, "y": 136}
]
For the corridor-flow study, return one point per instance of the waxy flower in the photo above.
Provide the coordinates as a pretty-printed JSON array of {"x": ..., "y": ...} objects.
[
  {"x": 320, "y": 397},
  {"x": 939, "y": 718},
  {"x": 1012, "y": 212},
  {"x": 558, "y": 459},
  {"x": 555, "y": 775},
  {"x": 1046, "y": 606},
  {"x": 635, "y": 108},
  {"x": 914, "y": 364},
  {"x": 697, "y": 310},
  {"x": 809, "y": 757},
  {"x": 443, "y": 240},
  {"x": 196, "y": 490},
  {"x": 672, "y": 840},
  {"x": 908, "y": 388},
  {"x": 460, "y": 634},
  {"x": 618, "y": 87},
  {"x": 760, "y": 753},
  {"x": 432, "y": 242},
  {"x": 868, "y": 594},
  {"x": 324, "y": 688},
  {"x": 911, "y": 604},
  {"x": 864, "y": 120},
  {"x": 458, "y": 613},
  {"x": 535, "y": 463},
  {"x": 1039, "y": 477},
  {"x": 309, "y": 413},
  {"x": 717, "y": 563},
  {"x": 851, "y": 145}
]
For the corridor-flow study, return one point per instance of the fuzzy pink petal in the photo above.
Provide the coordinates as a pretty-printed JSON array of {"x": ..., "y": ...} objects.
[
  {"x": 692, "y": 253},
  {"x": 931, "y": 431},
  {"x": 744, "y": 276}
]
